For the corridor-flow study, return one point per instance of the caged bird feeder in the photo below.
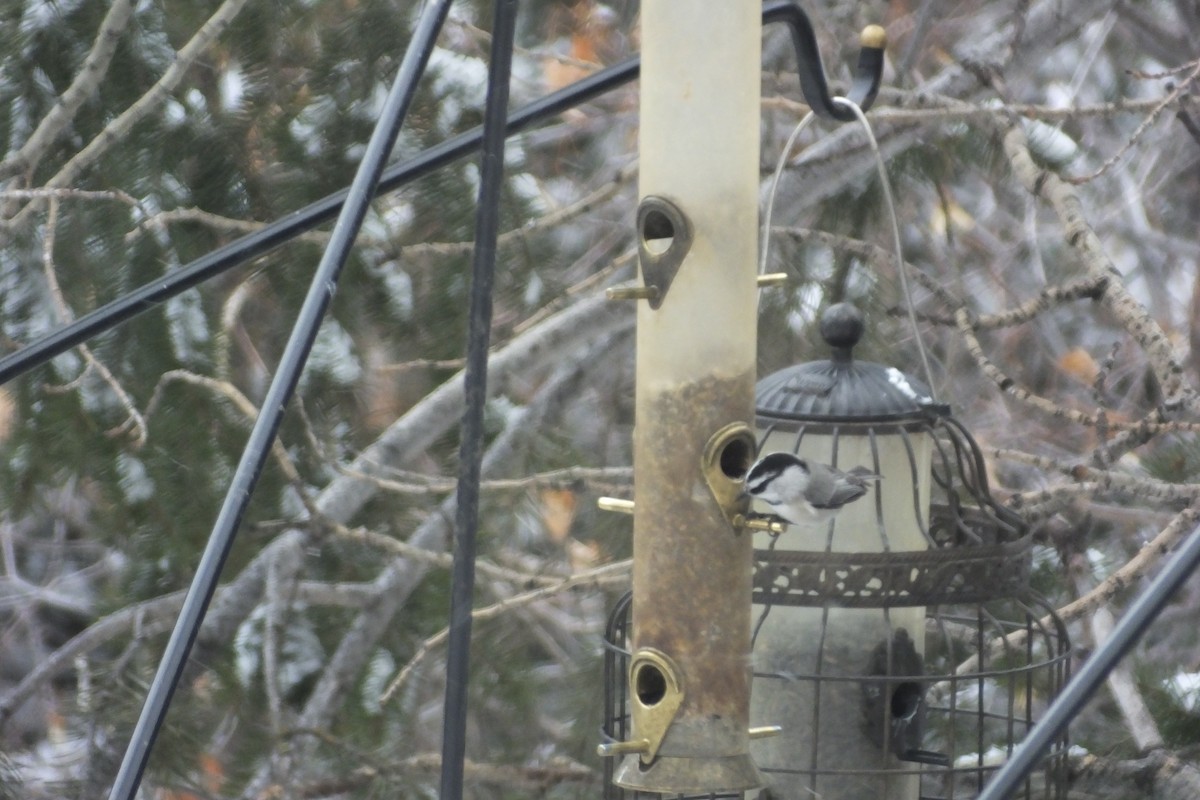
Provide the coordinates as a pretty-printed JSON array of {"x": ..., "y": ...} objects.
[{"x": 899, "y": 645}]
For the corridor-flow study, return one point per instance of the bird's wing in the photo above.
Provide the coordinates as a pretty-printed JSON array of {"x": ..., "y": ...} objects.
[{"x": 842, "y": 494}]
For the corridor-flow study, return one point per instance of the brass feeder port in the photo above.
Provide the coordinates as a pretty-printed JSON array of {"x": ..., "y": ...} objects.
[
  {"x": 657, "y": 695},
  {"x": 725, "y": 462}
]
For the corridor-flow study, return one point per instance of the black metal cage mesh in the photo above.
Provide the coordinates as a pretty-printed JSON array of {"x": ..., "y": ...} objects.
[
  {"x": 988, "y": 669},
  {"x": 911, "y": 673}
]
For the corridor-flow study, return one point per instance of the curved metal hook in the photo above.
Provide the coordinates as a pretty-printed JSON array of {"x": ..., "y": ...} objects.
[{"x": 867, "y": 74}]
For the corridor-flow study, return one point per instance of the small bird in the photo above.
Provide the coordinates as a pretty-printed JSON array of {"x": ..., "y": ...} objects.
[
  {"x": 894, "y": 711},
  {"x": 802, "y": 491}
]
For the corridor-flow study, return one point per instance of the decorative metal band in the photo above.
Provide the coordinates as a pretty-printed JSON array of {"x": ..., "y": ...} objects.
[{"x": 878, "y": 580}]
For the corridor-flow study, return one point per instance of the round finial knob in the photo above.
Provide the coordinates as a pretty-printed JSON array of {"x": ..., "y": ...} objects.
[{"x": 841, "y": 327}]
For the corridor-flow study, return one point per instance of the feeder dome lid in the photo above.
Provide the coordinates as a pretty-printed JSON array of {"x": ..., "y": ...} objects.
[{"x": 842, "y": 389}]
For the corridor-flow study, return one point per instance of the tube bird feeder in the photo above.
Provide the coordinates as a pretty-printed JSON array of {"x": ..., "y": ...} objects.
[
  {"x": 689, "y": 672},
  {"x": 686, "y": 669}
]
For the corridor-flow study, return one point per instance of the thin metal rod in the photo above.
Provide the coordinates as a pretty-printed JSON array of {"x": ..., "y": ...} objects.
[
  {"x": 297, "y": 222},
  {"x": 470, "y": 454},
  {"x": 253, "y": 245},
  {"x": 295, "y": 354},
  {"x": 1141, "y": 613}
]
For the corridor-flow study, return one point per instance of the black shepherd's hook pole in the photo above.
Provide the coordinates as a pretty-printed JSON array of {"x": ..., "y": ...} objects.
[
  {"x": 812, "y": 81},
  {"x": 470, "y": 457},
  {"x": 320, "y": 292},
  {"x": 1125, "y": 634}
]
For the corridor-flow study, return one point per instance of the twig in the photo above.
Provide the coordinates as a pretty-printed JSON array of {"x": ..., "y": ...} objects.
[
  {"x": 1132, "y": 315},
  {"x": 586, "y": 285},
  {"x": 1166, "y": 73},
  {"x": 600, "y": 576},
  {"x": 922, "y": 107},
  {"x": 425, "y": 485},
  {"x": 134, "y": 418},
  {"x": 401, "y": 576},
  {"x": 574, "y": 210},
  {"x": 1141, "y": 129},
  {"x": 247, "y": 409},
  {"x": 150, "y": 617},
  {"x": 588, "y": 321},
  {"x": 437, "y": 558},
  {"x": 1099, "y": 481},
  {"x": 1010, "y": 387}
]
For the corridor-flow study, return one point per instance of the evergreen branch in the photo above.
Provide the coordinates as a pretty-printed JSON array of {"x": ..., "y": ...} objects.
[
  {"x": 1136, "y": 568},
  {"x": 879, "y": 257},
  {"x": 185, "y": 58},
  {"x": 85, "y": 84},
  {"x": 590, "y": 320},
  {"x": 151, "y": 617},
  {"x": 571, "y": 211},
  {"x": 1087, "y": 287},
  {"x": 609, "y": 574},
  {"x": 157, "y": 616},
  {"x": 134, "y": 418},
  {"x": 400, "y": 577},
  {"x": 1132, "y": 315}
]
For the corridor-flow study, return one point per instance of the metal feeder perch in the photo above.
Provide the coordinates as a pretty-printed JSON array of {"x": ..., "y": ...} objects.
[{"x": 899, "y": 645}]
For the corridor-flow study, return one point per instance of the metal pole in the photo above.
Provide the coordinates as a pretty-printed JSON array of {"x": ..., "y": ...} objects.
[
  {"x": 324, "y": 283},
  {"x": 1095, "y": 670},
  {"x": 466, "y": 518}
]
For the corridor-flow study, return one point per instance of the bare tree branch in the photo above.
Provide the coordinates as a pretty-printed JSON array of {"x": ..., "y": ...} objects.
[
  {"x": 1116, "y": 297},
  {"x": 86, "y": 82},
  {"x": 606, "y": 575}
]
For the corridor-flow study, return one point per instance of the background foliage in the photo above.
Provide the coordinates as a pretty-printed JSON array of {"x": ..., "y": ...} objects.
[{"x": 140, "y": 136}]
